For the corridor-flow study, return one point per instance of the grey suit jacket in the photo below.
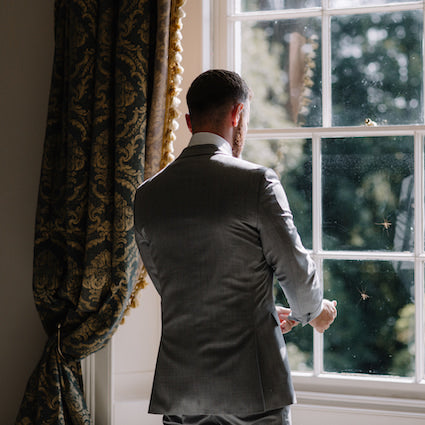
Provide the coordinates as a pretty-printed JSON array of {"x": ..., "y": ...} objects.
[{"x": 212, "y": 231}]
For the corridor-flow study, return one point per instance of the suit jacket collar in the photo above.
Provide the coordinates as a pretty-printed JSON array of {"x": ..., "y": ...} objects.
[
  {"x": 198, "y": 150},
  {"x": 204, "y": 138}
]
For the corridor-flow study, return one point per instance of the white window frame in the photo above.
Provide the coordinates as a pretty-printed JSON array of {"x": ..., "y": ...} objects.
[{"x": 317, "y": 386}]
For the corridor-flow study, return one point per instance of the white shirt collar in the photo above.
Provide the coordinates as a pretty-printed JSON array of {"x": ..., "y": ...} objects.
[{"x": 204, "y": 138}]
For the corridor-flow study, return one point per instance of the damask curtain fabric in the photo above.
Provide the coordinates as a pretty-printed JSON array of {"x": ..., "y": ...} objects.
[{"x": 112, "y": 63}]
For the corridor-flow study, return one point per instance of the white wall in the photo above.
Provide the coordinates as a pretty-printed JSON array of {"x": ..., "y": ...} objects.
[{"x": 26, "y": 55}]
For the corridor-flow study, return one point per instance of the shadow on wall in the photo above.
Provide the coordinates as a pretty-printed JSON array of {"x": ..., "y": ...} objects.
[{"x": 26, "y": 49}]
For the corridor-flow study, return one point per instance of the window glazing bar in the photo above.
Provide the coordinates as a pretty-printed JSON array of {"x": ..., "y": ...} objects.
[
  {"x": 325, "y": 10},
  {"x": 419, "y": 263},
  {"x": 309, "y": 132}
]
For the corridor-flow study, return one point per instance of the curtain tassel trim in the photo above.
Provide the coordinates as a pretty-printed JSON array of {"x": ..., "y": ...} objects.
[
  {"x": 175, "y": 77},
  {"x": 133, "y": 301}
]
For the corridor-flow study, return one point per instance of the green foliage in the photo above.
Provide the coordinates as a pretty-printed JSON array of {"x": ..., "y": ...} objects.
[
  {"x": 370, "y": 297},
  {"x": 361, "y": 187},
  {"x": 377, "y": 68}
]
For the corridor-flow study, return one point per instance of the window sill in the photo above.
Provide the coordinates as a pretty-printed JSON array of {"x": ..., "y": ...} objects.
[{"x": 355, "y": 392}]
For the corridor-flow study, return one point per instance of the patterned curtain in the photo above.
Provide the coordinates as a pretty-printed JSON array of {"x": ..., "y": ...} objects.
[{"x": 111, "y": 115}]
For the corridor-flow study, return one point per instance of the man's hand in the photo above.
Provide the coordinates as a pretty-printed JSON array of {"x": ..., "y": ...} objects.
[
  {"x": 285, "y": 324},
  {"x": 326, "y": 317}
]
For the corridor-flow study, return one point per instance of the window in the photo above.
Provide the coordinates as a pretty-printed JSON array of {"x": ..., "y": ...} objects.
[{"x": 338, "y": 113}]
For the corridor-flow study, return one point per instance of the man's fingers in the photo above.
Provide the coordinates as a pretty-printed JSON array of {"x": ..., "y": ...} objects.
[{"x": 287, "y": 325}]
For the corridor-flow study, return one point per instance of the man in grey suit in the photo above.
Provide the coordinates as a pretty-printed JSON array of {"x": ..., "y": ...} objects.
[{"x": 213, "y": 230}]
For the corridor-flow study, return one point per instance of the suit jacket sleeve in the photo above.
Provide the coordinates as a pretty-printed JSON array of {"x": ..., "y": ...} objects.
[
  {"x": 285, "y": 253},
  {"x": 143, "y": 243}
]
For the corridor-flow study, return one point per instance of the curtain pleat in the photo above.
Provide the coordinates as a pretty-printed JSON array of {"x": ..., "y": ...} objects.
[{"x": 86, "y": 261}]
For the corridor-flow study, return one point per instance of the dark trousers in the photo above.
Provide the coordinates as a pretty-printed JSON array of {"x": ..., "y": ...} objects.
[{"x": 271, "y": 417}]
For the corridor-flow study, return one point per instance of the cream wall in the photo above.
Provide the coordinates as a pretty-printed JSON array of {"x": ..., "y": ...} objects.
[{"x": 26, "y": 54}]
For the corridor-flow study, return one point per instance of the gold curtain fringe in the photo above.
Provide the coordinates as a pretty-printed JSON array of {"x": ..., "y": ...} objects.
[
  {"x": 175, "y": 71},
  {"x": 175, "y": 78},
  {"x": 133, "y": 301}
]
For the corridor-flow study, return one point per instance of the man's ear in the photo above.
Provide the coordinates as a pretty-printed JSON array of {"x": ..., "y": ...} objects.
[
  {"x": 236, "y": 114},
  {"x": 188, "y": 122}
]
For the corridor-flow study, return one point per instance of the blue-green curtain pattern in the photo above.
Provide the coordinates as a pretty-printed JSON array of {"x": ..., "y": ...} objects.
[{"x": 85, "y": 257}]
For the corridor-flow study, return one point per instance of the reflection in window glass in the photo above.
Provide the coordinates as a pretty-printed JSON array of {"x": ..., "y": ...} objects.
[
  {"x": 263, "y": 5},
  {"x": 363, "y": 179},
  {"x": 354, "y": 3},
  {"x": 291, "y": 160},
  {"x": 404, "y": 236},
  {"x": 281, "y": 63},
  {"x": 375, "y": 328},
  {"x": 377, "y": 68}
]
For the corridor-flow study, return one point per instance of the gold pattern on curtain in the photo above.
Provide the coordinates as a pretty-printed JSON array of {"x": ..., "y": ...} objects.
[
  {"x": 161, "y": 131},
  {"x": 98, "y": 144}
]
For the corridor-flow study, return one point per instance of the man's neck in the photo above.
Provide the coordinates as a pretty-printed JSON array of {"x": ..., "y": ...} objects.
[
  {"x": 227, "y": 135},
  {"x": 206, "y": 138}
]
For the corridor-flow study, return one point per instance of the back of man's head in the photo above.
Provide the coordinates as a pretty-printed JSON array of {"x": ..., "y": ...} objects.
[{"x": 214, "y": 90}]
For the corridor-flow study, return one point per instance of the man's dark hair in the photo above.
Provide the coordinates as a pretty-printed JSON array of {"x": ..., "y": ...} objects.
[{"x": 215, "y": 89}]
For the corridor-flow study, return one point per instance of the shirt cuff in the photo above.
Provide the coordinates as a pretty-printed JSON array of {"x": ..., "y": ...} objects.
[{"x": 308, "y": 317}]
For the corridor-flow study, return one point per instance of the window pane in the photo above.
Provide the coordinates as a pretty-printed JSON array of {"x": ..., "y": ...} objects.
[
  {"x": 354, "y": 3},
  {"x": 262, "y": 5},
  {"x": 375, "y": 328},
  {"x": 281, "y": 63},
  {"x": 377, "y": 68},
  {"x": 291, "y": 159},
  {"x": 362, "y": 182}
]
